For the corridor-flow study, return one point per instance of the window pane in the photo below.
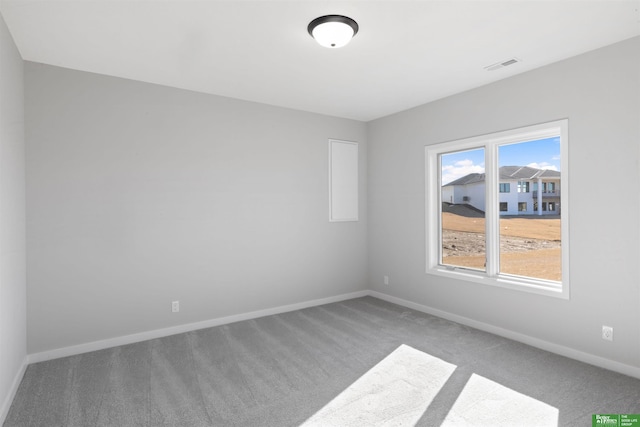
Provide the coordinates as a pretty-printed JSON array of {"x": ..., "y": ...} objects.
[
  {"x": 462, "y": 220},
  {"x": 530, "y": 242}
]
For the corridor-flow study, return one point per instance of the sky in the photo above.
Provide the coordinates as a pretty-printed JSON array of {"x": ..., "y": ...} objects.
[{"x": 540, "y": 154}]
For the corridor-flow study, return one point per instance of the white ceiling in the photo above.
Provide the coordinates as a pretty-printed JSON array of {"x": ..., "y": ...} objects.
[{"x": 407, "y": 53}]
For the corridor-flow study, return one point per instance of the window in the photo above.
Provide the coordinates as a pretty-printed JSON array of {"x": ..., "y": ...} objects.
[
  {"x": 551, "y": 187},
  {"x": 462, "y": 243},
  {"x": 523, "y": 187},
  {"x": 481, "y": 240}
]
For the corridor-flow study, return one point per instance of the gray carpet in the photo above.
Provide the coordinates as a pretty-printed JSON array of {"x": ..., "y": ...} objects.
[{"x": 281, "y": 370}]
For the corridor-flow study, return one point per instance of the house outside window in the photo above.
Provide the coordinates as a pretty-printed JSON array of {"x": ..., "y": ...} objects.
[
  {"x": 522, "y": 206},
  {"x": 459, "y": 190},
  {"x": 504, "y": 206}
]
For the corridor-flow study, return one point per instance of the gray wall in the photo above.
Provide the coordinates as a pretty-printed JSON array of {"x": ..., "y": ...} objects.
[
  {"x": 599, "y": 92},
  {"x": 13, "y": 327},
  {"x": 139, "y": 194}
]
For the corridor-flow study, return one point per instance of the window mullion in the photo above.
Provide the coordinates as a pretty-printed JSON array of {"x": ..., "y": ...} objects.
[{"x": 492, "y": 214}]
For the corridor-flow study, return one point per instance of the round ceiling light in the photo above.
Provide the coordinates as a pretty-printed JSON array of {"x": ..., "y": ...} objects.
[{"x": 333, "y": 31}]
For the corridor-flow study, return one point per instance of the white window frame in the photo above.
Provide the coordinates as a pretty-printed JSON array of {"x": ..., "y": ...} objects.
[{"x": 433, "y": 209}]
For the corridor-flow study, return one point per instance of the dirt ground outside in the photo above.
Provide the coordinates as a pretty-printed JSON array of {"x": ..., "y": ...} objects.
[{"x": 529, "y": 245}]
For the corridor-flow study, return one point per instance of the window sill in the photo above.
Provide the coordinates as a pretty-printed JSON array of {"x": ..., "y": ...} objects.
[{"x": 505, "y": 281}]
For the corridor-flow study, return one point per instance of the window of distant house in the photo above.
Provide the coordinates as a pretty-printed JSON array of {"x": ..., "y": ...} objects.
[
  {"x": 523, "y": 187},
  {"x": 471, "y": 233}
]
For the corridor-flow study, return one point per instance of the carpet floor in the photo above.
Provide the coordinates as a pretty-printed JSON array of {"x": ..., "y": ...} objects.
[{"x": 357, "y": 362}]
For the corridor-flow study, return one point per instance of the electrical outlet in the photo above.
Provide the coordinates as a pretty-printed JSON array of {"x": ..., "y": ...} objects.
[
  {"x": 175, "y": 306},
  {"x": 386, "y": 280},
  {"x": 607, "y": 333}
]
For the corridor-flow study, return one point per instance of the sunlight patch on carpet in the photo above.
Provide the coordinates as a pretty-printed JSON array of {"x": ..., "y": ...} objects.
[
  {"x": 396, "y": 391},
  {"x": 483, "y": 402}
]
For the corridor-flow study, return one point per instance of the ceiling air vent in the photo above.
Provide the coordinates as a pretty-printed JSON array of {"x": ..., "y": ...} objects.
[{"x": 502, "y": 64}]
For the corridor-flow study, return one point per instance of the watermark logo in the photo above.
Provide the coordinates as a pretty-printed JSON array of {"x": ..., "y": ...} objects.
[{"x": 615, "y": 420}]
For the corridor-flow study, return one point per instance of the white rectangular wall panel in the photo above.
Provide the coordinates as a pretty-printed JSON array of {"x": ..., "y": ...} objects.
[{"x": 343, "y": 180}]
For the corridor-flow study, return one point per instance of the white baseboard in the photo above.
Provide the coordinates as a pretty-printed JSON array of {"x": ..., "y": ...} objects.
[
  {"x": 581, "y": 356},
  {"x": 4, "y": 409},
  {"x": 159, "y": 333}
]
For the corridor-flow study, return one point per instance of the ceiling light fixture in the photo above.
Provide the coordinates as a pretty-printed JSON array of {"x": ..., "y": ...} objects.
[{"x": 333, "y": 31}]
